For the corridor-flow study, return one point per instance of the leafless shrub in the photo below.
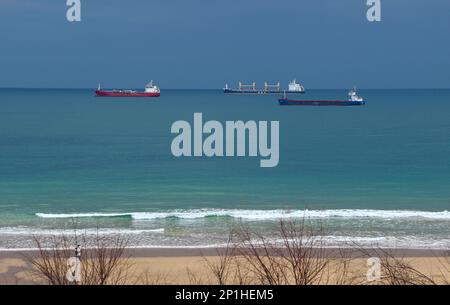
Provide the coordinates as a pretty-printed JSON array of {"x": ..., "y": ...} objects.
[
  {"x": 102, "y": 259},
  {"x": 444, "y": 268},
  {"x": 343, "y": 273},
  {"x": 260, "y": 256},
  {"x": 222, "y": 265},
  {"x": 396, "y": 270},
  {"x": 304, "y": 251},
  {"x": 297, "y": 255},
  {"x": 227, "y": 267},
  {"x": 105, "y": 262},
  {"x": 241, "y": 274},
  {"x": 399, "y": 272}
]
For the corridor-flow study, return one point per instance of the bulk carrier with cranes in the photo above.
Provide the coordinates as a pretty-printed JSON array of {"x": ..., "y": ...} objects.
[{"x": 294, "y": 87}]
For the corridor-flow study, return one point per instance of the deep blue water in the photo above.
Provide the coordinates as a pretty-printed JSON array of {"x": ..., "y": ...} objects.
[{"x": 379, "y": 172}]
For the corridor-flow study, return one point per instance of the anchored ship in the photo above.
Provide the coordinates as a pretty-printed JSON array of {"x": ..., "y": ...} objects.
[
  {"x": 149, "y": 91},
  {"x": 353, "y": 100},
  {"x": 293, "y": 87}
]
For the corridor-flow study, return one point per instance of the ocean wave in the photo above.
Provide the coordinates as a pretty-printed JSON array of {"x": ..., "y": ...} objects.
[
  {"x": 248, "y": 214},
  {"x": 28, "y": 231},
  {"x": 328, "y": 241},
  {"x": 373, "y": 242}
]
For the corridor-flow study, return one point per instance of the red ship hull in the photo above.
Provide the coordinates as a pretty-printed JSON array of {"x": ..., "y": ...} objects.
[{"x": 126, "y": 94}]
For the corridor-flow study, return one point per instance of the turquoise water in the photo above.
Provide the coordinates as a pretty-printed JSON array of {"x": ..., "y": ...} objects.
[{"x": 378, "y": 173}]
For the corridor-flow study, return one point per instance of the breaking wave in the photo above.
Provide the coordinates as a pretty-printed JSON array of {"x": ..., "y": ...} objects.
[
  {"x": 28, "y": 231},
  {"x": 265, "y": 214}
]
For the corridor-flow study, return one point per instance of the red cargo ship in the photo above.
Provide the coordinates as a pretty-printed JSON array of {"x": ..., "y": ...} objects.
[{"x": 150, "y": 91}]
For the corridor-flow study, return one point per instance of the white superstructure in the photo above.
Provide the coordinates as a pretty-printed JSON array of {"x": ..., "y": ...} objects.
[
  {"x": 150, "y": 88},
  {"x": 295, "y": 87},
  {"x": 354, "y": 97}
]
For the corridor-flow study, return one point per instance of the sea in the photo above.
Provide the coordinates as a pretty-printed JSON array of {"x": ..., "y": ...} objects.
[{"x": 374, "y": 175}]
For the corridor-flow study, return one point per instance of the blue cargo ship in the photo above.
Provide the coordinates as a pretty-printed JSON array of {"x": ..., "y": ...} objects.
[{"x": 353, "y": 100}]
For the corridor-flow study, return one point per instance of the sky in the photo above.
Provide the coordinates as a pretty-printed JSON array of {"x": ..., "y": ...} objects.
[{"x": 196, "y": 44}]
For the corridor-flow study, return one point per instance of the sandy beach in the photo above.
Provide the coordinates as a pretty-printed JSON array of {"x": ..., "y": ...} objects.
[{"x": 193, "y": 266}]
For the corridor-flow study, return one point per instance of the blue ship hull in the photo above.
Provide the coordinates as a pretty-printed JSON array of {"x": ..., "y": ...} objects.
[{"x": 288, "y": 102}]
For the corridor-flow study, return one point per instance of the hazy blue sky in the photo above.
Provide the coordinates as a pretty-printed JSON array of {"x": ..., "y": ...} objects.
[{"x": 203, "y": 43}]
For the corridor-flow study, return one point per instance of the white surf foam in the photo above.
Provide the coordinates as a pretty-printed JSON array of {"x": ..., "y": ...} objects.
[
  {"x": 265, "y": 214},
  {"x": 28, "y": 231},
  {"x": 82, "y": 215},
  {"x": 331, "y": 241}
]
